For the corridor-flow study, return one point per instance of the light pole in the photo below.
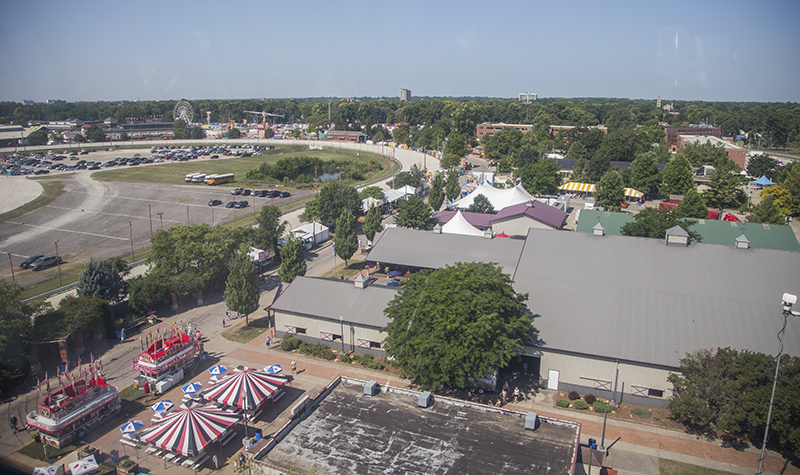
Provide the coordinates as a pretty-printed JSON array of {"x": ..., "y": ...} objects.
[
  {"x": 187, "y": 216},
  {"x": 150, "y": 215},
  {"x": 788, "y": 301},
  {"x": 133, "y": 256},
  {"x": 161, "y": 217},
  {"x": 341, "y": 330},
  {"x": 58, "y": 263},
  {"x": 11, "y": 263}
]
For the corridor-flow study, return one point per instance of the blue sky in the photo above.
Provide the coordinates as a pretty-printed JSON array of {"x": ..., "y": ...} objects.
[{"x": 689, "y": 50}]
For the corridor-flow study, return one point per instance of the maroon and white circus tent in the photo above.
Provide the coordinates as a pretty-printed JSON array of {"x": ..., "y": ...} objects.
[
  {"x": 246, "y": 389},
  {"x": 190, "y": 431}
]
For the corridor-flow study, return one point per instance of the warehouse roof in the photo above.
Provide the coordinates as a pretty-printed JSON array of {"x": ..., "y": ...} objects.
[
  {"x": 639, "y": 300},
  {"x": 428, "y": 250},
  {"x": 333, "y": 297}
]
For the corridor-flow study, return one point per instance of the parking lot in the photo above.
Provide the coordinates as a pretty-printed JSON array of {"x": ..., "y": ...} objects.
[{"x": 94, "y": 219}]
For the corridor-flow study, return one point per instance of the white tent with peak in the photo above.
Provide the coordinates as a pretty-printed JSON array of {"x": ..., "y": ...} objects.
[
  {"x": 458, "y": 224},
  {"x": 499, "y": 198}
]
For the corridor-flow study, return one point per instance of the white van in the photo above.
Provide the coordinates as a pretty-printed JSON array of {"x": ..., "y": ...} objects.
[
  {"x": 190, "y": 177},
  {"x": 199, "y": 178}
]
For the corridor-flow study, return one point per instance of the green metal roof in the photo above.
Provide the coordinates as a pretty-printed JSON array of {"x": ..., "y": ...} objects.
[{"x": 762, "y": 236}]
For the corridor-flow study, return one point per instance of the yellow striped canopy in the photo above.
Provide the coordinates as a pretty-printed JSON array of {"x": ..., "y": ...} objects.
[
  {"x": 575, "y": 186},
  {"x": 630, "y": 192}
]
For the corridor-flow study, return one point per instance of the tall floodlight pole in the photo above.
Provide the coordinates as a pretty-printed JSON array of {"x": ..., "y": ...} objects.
[
  {"x": 133, "y": 256},
  {"x": 58, "y": 263},
  {"x": 11, "y": 264},
  {"x": 161, "y": 218},
  {"x": 788, "y": 301},
  {"x": 150, "y": 214}
]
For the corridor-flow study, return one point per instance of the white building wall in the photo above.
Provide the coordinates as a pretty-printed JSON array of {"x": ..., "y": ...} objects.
[
  {"x": 517, "y": 226},
  {"x": 599, "y": 374},
  {"x": 356, "y": 337}
]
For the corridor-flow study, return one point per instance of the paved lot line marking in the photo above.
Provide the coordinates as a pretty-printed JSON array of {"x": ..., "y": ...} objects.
[
  {"x": 71, "y": 231},
  {"x": 111, "y": 214}
]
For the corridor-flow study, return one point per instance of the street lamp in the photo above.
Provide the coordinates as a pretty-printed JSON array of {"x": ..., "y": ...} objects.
[
  {"x": 187, "y": 216},
  {"x": 161, "y": 217},
  {"x": 58, "y": 263},
  {"x": 788, "y": 301},
  {"x": 341, "y": 330},
  {"x": 11, "y": 263}
]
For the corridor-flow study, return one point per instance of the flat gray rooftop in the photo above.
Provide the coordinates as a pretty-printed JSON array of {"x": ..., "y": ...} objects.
[{"x": 388, "y": 434}]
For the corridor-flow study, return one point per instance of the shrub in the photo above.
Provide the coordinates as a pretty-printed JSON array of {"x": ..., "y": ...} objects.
[
  {"x": 319, "y": 350},
  {"x": 345, "y": 358},
  {"x": 600, "y": 407},
  {"x": 641, "y": 413},
  {"x": 290, "y": 343},
  {"x": 581, "y": 405},
  {"x": 562, "y": 403},
  {"x": 355, "y": 357},
  {"x": 590, "y": 399},
  {"x": 573, "y": 395}
]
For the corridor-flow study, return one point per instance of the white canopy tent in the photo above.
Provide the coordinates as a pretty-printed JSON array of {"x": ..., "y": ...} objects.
[
  {"x": 500, "y": 198},
  {"x": 458, "y": 224}
]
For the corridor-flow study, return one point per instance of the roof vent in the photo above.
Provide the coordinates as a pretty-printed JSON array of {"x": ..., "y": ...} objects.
[
  {"x": 425, "y": 399},
  {"x": 437, "y": 229},
  {"x": 371, "y": 388},
  {"x": 361, "y": 281},
  {"x": 487, "y": 234},
  {"x": 742, "y": 242},
  {"x": 531, "y": 421},
  {"x": 677, "y": 235},
  {"x": 598, "y": 230},
  {"x": 529, "y": 204}
]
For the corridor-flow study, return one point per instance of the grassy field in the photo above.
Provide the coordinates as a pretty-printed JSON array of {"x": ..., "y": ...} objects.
[
  {"x": 242, "y": 334},
  {"x": 671, "y": 467},
  {"x": 52, "y": 190},
  {"x": 174, "y": 173}
]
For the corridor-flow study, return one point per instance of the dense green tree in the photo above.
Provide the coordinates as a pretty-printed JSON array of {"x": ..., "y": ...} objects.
[
  {"x": 781, "y": 198},
  {"x": 198, "y": 132},
  {"x": 148, "y": 289},
  {"x": 452, "y": 325},
  {"x": 270, "y": 227},
  {"x": 79, "y": 138},
  {"x": 241, "y": 288},
  {"x": 297, "y": 133},
  {"x": 692, "y": 206},
  {"x": 724, "y": 189},
  {"x": 124, "y": 137},
  {"x": 766, "y": 212},
  {"x": 15, "y": 320},
  {"x": 454, "y": 149},
  {"x": 727, "y": 391},
  {"x": 179, "y": 129},
  {"x": 95, "y": 134},
  {"x": 791, "y": 183},
  {"x": 233, "y": 133},
  {"x": 761, "y": 165},
  {"x": 345, "y": 240},
  {"x": 293, "y": 261},
  {"x": 677, "y": 177},
  {"x": 481, "y": 204},
  {"x": 412, "y": 213},
  {"x": 38, "y": 138},
  {"x": 597, "y": 168},
  {"x": 576, "y": 151},
  {"x": 644, "y": 173},
  {"x": 372, "y": 222},
  {"x": 653, "y": 223},
  {"x": 525, "y": 156},
  {"x": 540, "y": 177},
  {"x": 610, "y": 191},
  {"x": 436, "y": 193},
  {"x": 269, "y": 133},
  {"x": 501, "y": 144},
  {"x": 704, "y": 154},
  {"x": 619, "y": 146},
  {"x": 333, "y": 198},
  {"x": 453, "y": 188},
  {"x": 102, "y": 279},
  {"x": 375, "y": 192}
]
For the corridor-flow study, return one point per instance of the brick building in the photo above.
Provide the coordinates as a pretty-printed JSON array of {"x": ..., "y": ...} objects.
[
  {"x": 490, "y": 129},
  {"x": 736, "y": 154},
  {"x": 555, "y": 129},
  {"x": 673, "y": 131},
  {"x": 346, "y": 135}
]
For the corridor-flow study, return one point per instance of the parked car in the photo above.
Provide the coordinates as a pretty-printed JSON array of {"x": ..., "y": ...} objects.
[
  {"x": 262, "y": 193},
  {"x": 45, "y": 262},
  {"x": 284, "y": 194},
  {"x": 230, "y": 204},
  {"x": 237, "y": 191},
  {"x": 41, "y": 171},
  {"x": 29, "y": 261},
  {"x": 246, "y": 192},
  {"x": 480, "y": 389},
  {"x": 242, "y": 204},
  {"x": 214, "y": 202}
]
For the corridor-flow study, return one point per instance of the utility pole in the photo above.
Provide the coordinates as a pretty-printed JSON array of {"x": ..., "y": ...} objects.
[{"x": 133, "y": 256}]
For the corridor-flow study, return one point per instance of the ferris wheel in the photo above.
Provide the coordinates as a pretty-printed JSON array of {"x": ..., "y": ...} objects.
[{"x": 183, "y": 110}]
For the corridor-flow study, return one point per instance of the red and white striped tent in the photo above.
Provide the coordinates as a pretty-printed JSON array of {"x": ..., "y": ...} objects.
[
  {"x": 246, "y": 389},
  {"x": 188, "y": 432}
]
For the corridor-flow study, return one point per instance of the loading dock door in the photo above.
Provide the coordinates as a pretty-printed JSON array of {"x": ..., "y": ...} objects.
[{"x": 552, "y": 379}]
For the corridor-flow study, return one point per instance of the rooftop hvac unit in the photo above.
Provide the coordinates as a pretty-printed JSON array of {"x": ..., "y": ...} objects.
[
  {"x": 531, "y": 421},
  {"x": 371, "y": 388},
  {"x": 425, "y": 399}
]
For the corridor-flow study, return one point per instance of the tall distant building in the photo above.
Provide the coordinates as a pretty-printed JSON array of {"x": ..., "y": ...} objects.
[
  {"x": 405, "y": 94},
  {"x": 658, "y": 102}
]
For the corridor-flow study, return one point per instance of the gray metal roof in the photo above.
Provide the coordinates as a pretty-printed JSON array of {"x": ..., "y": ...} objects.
[
  {"x": 428, "y": 250},
  {"x": 333, "y": 297},
  {"x": 639, "y": 300}
]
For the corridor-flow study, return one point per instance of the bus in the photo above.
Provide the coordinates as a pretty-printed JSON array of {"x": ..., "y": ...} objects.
[
  {"x": 190, "y": 176},
  {"x": 220, "y": 179}
]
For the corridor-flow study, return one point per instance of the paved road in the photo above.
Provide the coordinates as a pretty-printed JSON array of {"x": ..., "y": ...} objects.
[{"x": 16, "y": 191}]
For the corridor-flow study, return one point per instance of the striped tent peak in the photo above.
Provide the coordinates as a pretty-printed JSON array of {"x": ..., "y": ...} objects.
[
  {"x": 188, "y": 432},
  {"x": 245, "y": 389}
]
